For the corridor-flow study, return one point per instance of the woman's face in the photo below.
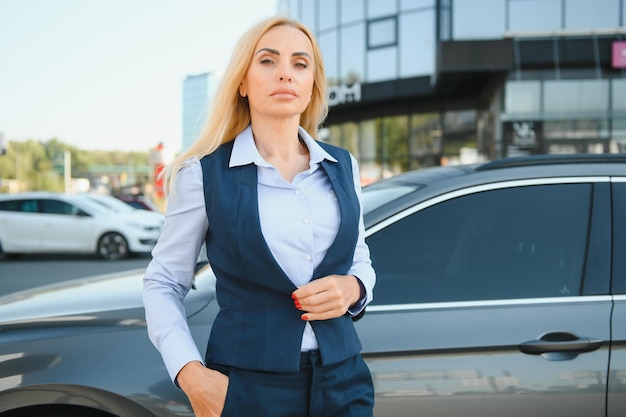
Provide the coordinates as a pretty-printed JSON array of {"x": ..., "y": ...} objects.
[{"x": 279, "y": 81}]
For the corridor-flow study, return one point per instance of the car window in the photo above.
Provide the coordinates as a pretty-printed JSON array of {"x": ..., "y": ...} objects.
[
  {"x": 58, "y": 207},
  {"x": 619, "y": 218},
  {"x": 27, "y": 206},
  {"x": 378, "y": 194},
  {"x": 521, "y": 242}
]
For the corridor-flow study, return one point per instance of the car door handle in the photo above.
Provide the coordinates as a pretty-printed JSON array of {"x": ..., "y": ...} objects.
[{"x": 560, "y": 342}]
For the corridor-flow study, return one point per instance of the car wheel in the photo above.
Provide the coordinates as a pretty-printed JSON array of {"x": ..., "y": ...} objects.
[{"x": 113, "y": 246}]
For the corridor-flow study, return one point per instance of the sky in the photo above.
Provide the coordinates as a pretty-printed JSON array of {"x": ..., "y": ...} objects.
[{"x": 108, "y": 74}]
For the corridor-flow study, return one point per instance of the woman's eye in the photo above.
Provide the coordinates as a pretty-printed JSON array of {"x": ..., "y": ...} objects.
[
  {"x": 266, "y": 61},
  {"x": 302, "y": 64}
]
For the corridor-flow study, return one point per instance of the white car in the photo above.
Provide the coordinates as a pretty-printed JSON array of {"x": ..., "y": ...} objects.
[
  {"x": 119, "y": 206},
  {"x": 47, "y": 222}
]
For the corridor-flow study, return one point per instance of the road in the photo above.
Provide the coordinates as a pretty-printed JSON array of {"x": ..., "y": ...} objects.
[{"x": 36, "y": 270}]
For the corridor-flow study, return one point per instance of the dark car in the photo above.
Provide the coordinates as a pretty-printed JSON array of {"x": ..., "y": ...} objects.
[{"x": 501, "y": 291}]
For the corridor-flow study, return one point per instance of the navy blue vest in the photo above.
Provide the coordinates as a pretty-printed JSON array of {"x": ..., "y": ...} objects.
[{"x": 258, "y": 326}]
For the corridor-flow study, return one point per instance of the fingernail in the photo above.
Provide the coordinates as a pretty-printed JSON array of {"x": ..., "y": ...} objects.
[
  {"x": 298, "y": 306},
  {"x": 305, "y": 317},
  {"x": 294, "y": 296}
]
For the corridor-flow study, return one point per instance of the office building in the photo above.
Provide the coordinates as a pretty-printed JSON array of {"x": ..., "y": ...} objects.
[{"x": 415, "y": 83}]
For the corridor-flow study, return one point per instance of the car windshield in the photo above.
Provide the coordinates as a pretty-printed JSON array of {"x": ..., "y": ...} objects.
[
  {"x": 380, "y": 193},
  {"x": 110, "y": 203}
]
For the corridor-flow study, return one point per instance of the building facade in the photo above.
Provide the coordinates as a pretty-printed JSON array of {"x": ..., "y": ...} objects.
[
  {"x": 416, "y": 83},
  {"x": 197, "y": 94}
]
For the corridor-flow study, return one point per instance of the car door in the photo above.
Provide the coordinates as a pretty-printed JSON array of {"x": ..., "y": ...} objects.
[
  {"x": 617, "y": 372},
  {"x": 19, "y": 225},
  {"x": 493, "y": 301},
  {"x": 65, "y": 227}
]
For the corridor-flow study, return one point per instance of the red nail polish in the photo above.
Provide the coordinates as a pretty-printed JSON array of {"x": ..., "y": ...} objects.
[
  {"x": 294, "y": 296},
  {"x": 305, "y": 317}
]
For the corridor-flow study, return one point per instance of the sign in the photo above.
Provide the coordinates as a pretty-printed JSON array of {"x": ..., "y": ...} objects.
[
  {"x": 340, "y": 94},
  {"x": 619, "y": 54},
  {"x": 524, "y": 137}
]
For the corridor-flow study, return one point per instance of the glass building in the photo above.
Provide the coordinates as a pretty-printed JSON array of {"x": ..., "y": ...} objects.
[
  {"x": 197, "y": 94},
  {"x": 416, "y": 83}
]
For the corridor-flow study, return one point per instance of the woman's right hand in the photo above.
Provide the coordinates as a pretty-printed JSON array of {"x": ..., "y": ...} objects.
[{"x": 205, "y": 388}]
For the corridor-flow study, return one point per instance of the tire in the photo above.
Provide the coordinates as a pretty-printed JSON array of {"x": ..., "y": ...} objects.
[{"x": 113, "y": 246}]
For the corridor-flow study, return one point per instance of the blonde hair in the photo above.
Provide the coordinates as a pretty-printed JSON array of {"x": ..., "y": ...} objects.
[{"x": 230, "y": 114}]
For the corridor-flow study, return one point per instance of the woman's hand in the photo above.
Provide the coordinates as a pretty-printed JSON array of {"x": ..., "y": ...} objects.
[
  {"x": 205, "y": 388},
  {"x": 328, "y": 297}
]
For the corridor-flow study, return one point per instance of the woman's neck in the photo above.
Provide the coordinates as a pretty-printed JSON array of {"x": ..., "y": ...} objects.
[{"x": 277, "y": 139}]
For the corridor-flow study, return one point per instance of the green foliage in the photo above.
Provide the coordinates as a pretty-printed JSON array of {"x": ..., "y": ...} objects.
[{"x": 39, "y": 165}]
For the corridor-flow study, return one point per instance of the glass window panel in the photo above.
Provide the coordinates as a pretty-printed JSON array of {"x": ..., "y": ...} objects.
[
  {"x": 415, "y": 4},
  {"x": 457, "y": 251},
  {"x": 382, "y": 64},
  {"x": 353, "y": 53},
  {"x": 478, "y": 19},
  {"x": 523, "y": 16},
  {"x": 377, "y": 8},
  {"x": 381, "y": 33},
  {"x": 293, "y": 9},
  {"x": 417, "y": 43},
  {"x": 328, "y": 45},
  {"x": 309, "y": 14},
  {"x": 575, "y": 129},
  {"x": 328, "y": 15},
  {"x": 352, "y": 11},
  {"x": 619, "y": 130},
  {"x": 618, "y": 95},
  {"x": 395, "y": 144},
  {"x": 591, "y": 14},
  {"x": 522, "y": 97},
  {"x": 425, "y": 134},
  {"x": 576, "y": 96}
]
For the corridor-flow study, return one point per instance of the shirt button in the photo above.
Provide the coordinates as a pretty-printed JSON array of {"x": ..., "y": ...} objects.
[
  {"x": 297, "y": 191},
  {"x": 307, "y": 220},
  {"x": 308, "y": 257}
]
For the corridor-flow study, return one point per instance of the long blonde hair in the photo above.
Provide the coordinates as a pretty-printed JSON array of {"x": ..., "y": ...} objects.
[{"x": 230, "y": 114}]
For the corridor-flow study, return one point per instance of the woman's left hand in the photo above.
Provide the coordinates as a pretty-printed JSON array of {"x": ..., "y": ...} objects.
[{"x": 327, "y": 297}]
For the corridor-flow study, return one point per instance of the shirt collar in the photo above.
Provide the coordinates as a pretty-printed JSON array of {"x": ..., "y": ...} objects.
[{"x": 245, "y": 151}]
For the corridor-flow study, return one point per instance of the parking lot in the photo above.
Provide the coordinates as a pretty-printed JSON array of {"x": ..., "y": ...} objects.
[{"x": 36, "y": 270}]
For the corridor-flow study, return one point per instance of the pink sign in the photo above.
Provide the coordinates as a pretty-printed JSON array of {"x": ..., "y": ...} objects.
[{"x": 619, "y": 54}]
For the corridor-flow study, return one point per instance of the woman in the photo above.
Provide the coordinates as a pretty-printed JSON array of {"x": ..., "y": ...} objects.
[{"x": 280, "y": 215}]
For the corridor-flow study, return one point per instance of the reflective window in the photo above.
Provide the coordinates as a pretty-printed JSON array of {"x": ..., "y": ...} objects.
[
  {"x": 512, "y": 243},
  {"x": 309, "y": 14},
  {"x": 416, "y": 4},
  {"x": 352, "y": 11},
  {"x": 328, "y": 15},
  {"x": 57, "y": 207},
  {"x": 394, "y": 146},
  {"x": 522, "y": 97},
  {"x": 523, "y": 16},
  {"x": 292, "y": 8},
  {"x": 576, "y": 96},
  {"x": 25, "y": 206},
  {"x": 328, "y": 45},
  {"x": 618, "y": 95},
  {"x": 619, "y": 268},
  {"x": 417, "y": 43},
  {"x": 377, "y": 8},
  {"x": 382, "y": 64},
  {"x": 478, "y": 19},
  {"x": 353, "y": 53},
  {"x": 591, "y": 14},
  {"x": 382, "y": 32},
  {"x": 576, "y": 129},
  {"x": 425, "y": 136}
]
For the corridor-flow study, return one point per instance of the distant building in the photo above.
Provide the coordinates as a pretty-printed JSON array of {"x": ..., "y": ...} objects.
[
  {"x": 415, "y": 83},
  {"x": 197, "y": 95}
]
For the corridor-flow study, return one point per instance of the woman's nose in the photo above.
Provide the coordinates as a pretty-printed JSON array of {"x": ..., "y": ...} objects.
[{"x": 285, "y": 74}]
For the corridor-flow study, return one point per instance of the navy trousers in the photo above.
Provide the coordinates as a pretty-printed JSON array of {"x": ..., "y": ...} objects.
[{"x": 341, "y": 390}]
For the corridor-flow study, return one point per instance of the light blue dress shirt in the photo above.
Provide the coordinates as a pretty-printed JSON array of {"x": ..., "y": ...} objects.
[{"x": 299, "y": 221}]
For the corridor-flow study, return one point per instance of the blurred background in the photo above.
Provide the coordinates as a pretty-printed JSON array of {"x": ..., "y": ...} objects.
[{"x": 98, "y": 95}]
